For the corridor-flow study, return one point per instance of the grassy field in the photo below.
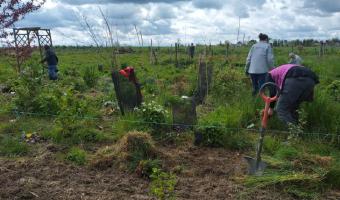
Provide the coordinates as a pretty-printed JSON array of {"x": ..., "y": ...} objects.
[{"x": 66, "y": 139}]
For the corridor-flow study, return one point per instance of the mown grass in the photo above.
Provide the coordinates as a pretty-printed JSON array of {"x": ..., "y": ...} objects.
[{"x": 303, "y": 169}]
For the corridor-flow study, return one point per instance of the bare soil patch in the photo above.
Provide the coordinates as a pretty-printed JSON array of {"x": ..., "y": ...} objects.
[{"x": 202, "y": 173}]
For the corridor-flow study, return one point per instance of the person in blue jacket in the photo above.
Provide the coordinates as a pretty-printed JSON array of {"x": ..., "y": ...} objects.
[{"x": 52, "y": 61}]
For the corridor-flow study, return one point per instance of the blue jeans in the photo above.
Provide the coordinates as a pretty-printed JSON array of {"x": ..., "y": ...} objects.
[
  {"x": 52, "y": 72},
  {"x": 257, "y": 80}
]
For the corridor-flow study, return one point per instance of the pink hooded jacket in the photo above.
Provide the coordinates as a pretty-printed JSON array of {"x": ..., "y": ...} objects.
[{"x": 279, "y": 73}]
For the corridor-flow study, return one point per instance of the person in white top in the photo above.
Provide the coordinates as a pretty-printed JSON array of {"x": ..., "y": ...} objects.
[
  {"x": 295, "y": 59},
  {"x": 259, "y": 61}
]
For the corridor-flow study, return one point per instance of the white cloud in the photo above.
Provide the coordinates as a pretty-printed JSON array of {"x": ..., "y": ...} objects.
[{"x": 166, "y": 21}]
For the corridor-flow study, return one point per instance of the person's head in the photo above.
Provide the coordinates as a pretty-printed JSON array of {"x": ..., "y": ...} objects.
[
  {"x": 263, "y": 37},
  {"x": 291, "y": 55},
  {"x": 46, "y": 47}
]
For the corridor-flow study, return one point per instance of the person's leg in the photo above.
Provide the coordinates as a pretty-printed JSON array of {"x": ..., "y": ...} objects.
[
  {"x": 284, "y": 110},
  {"x": 308, "y": 89},
  {"x": 295, "y": 91},
  {"x": 56, "y": 72},
  {"x": 52, "y": 72},
  {"x": 254, "y": 82},
  {"x": 288, "y": 101},
  {"x": 261, "y": 79}
]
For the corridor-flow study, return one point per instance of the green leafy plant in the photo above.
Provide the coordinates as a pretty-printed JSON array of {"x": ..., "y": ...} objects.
[
  {"x": 228, "y": 84},
  {"x": 32, "y": 96},
  {"x": 145, "y": 167},
  {"x": 26, "y": 89},
  {"x": 212, "y": 136},
  {"x": 71, "y": 114},
  {"x": 152, "y": 113},
  {"x": 162, "y": 184}
]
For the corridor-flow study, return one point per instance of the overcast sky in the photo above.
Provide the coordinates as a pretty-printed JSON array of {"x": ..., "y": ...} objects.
[{"x": 198, "y": 21}]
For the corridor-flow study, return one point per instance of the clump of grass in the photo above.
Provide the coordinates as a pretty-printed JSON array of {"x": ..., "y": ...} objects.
[
  {"x": 271, "y": 145},
  {"x": 77, "y": 156},
  {"x": 130, "y": 150},
  {"x": 80, "y": 134},
  {"x": 302, "y": 193},
  {"x": 218, "y": 136},
  {"x": 128, "y": 122},
  {"x": 219, "y": 129},
  {"x": 287, "y": 152},
  {"x": 134, "y": 147},
  {"x": 321, "y": 149},
  {"x": 87, "y": 135},
  {"x": 332, "y": 178},
  {"x": 271, "y": 179},
  {"x": 299, "y": 184},
  {"x": 53, "y": 135},
  {"x": 10, "y": 146},
  {"x": 90, "y": 76}
]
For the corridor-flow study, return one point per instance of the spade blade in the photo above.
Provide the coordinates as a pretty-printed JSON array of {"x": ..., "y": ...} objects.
[{"x": 252, "y": 168}]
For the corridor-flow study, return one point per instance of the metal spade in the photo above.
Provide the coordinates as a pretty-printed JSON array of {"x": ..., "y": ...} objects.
[{"x": 255, "y": 165}]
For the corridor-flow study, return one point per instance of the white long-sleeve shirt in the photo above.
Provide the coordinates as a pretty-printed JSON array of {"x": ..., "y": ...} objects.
[
  {"x": 296, "y": 60},
  {"x": 260, "y": 58}
]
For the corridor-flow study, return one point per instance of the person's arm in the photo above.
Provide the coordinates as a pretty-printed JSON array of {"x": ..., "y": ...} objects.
[
  {"x": 248, "y": 61},
  {"x": 291, "y": 61},
  {"x": 272, "y": 91},
  {"x": 270, "y": 57}
]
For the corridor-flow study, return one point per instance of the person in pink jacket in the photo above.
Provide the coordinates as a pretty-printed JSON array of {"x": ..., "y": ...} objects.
[{"x": 297, "y": 85}]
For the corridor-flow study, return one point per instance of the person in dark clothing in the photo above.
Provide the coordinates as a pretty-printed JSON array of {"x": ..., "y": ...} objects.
[
  {"x": 52, "y": 62},
  {"x": 297, "y": 85},
  {"x": 192, "y": 51}
]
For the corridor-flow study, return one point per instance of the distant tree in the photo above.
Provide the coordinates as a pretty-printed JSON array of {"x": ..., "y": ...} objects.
[
  {"x": 13, "y": 11},
  {"x": 251, "y": 42}
]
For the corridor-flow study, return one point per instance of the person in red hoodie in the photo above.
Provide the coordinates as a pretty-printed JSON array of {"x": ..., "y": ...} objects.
[
  {"x": 129, "y": 73},
  {"x": 297, "y": 84}
]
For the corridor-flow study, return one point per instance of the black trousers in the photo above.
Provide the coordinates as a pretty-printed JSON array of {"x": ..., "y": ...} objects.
[{"x": 295, "y": 91}]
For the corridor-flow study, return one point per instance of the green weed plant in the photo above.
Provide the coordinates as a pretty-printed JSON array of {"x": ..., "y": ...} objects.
[
  {"x": 76, "y": 156},
  {"x": 162, "y": 184}
]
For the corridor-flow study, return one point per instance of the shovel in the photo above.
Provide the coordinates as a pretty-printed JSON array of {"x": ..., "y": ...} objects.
[{"x": 255, "y": 165}]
